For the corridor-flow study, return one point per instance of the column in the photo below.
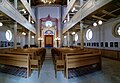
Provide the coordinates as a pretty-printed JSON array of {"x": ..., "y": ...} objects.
[
  {"x": 68, "y": 16},
  {"x": 81, "y": 35},
  {"x": 55, "y": 42},
  {"x": 15, "y": 35},
  {"x": 81, "y": 2},
  {"x": 68, "y": 2},
  {"x": 15, "y": 28},
  {"x": 29, "y": 38},
  {"x": 68, "y": 39},
  {"x": 29, "y": 18},
  {"x": 21, "y": 40}
]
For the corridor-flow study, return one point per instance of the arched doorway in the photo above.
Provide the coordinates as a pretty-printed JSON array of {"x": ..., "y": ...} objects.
[
  {"x": 48, "y": 39},
  {"x": 48, "y": 31}
]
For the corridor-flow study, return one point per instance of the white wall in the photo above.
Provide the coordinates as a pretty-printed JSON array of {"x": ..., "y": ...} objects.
[
  {"x": 103, "y": 33},
  {"x": 3, "y": 30},
  {"x": 43, "y": 12},
  {"x": 54, "y": 12}
]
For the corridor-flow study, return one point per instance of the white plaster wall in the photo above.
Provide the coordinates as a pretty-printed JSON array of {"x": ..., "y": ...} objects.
[
  {"x": 103, "y": 33},
  {"x": 3, "y": 30},
  {"x": 43, "y": 12}
]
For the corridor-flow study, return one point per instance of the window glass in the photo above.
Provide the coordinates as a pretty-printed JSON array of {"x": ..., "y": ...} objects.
[
  {"x": 116, "y": 30},
  {"x": 89, "y": 34},
  {"x": 8, "y": 35},
  {"x": 48, "y": 24},
  {"x": 76, "y": 37}
]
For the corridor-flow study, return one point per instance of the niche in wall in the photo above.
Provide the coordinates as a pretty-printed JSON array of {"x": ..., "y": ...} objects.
[
  {"x": 92, "y": 44},
  {"x": 106, "y": 44},
  {"x": 78, "y": 43},
  {"x": 84, "y": 44},
  {"x": 6, "y": 44},
  {"x": 111, "y": 44},
  {"x": 89, "y": 44},
  {"x": 116, "y": 44},
  {"x": 97, "y": 44},
  {"x": 101, "y": 44}
]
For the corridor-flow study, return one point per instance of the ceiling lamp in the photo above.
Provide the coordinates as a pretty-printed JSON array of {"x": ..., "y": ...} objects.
[
  {"x": 94, "y": 24},
  {"x": 33, "y": 37},
  {"x": 99, "y": 22},
  {"x": 1, "y": 24},
  {"x": 73, "y": 33},
  {"x": 32, "y": 22},
  {"x": 65, "y": 36},
  {"x": 48, "y": 1},
  {"x": 23, "y": 33}
]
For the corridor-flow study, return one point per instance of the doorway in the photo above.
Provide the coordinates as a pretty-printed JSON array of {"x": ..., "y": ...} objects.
[{"x": 48, "y": 41}]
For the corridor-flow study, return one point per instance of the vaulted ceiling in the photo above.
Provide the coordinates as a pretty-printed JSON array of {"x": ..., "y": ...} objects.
[{"x": 57, "y": 2}]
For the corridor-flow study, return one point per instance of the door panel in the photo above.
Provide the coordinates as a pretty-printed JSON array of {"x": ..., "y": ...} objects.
[{"x": 48, "y": 40}]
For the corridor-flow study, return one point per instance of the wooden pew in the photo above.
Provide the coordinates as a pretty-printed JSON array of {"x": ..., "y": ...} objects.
[
  {"x": 16, "y": 60},
  {"x": 79, "y": 60},
  {"x": 77, "y": 54},
  {"x": 35, "y": 55}
]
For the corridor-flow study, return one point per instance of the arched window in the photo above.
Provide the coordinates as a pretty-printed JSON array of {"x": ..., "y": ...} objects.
[
  {"x": 8, "y": 35},
  {"x": 89, "y": 34},
  {"x": 48, "y": 24}
]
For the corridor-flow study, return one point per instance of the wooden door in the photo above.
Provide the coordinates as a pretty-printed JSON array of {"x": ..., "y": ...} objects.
[{"x": 48, "y": 41}]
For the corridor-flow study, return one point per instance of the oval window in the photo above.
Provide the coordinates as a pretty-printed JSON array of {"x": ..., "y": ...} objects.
[
  {"x": 76, "y": 37},
  {"x": 48, "y": 23},
  {"x": 116, "y": 30},
  {"x": 89, "y": 34},
  {"x": 8, "y": 35}
]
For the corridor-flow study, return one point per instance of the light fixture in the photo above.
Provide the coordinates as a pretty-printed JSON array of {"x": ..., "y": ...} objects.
[
  {"x": 32, "y": 22},
  {"x": 99, "y": 22},
  {"x": 74, "y": 9},
  {"x": 65, "y": 36},
  {"x": 94, "y": 24},
  {"x": 48, "y": 1},
  {"x": 1, "y": 24},
  {"x": 57, "y": 38},
  {"x": 23, "y": 10},
  {"x": 23, "y": 33},
  {"x": 39, "y": 39},
  {"x": 73, "y": 33},
  {"x": 65, "y": 21},
  {"x": 33, "y": 37}
]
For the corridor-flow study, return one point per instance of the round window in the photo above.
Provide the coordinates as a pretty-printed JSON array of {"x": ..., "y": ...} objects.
[
  {"x": 48, "y": 24},
  {"x": 116, "y": 30},
  {"x": 76, "y": 37},
  {"x": 89, "y": 34},
  {"x": 8, "y": 35}
]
